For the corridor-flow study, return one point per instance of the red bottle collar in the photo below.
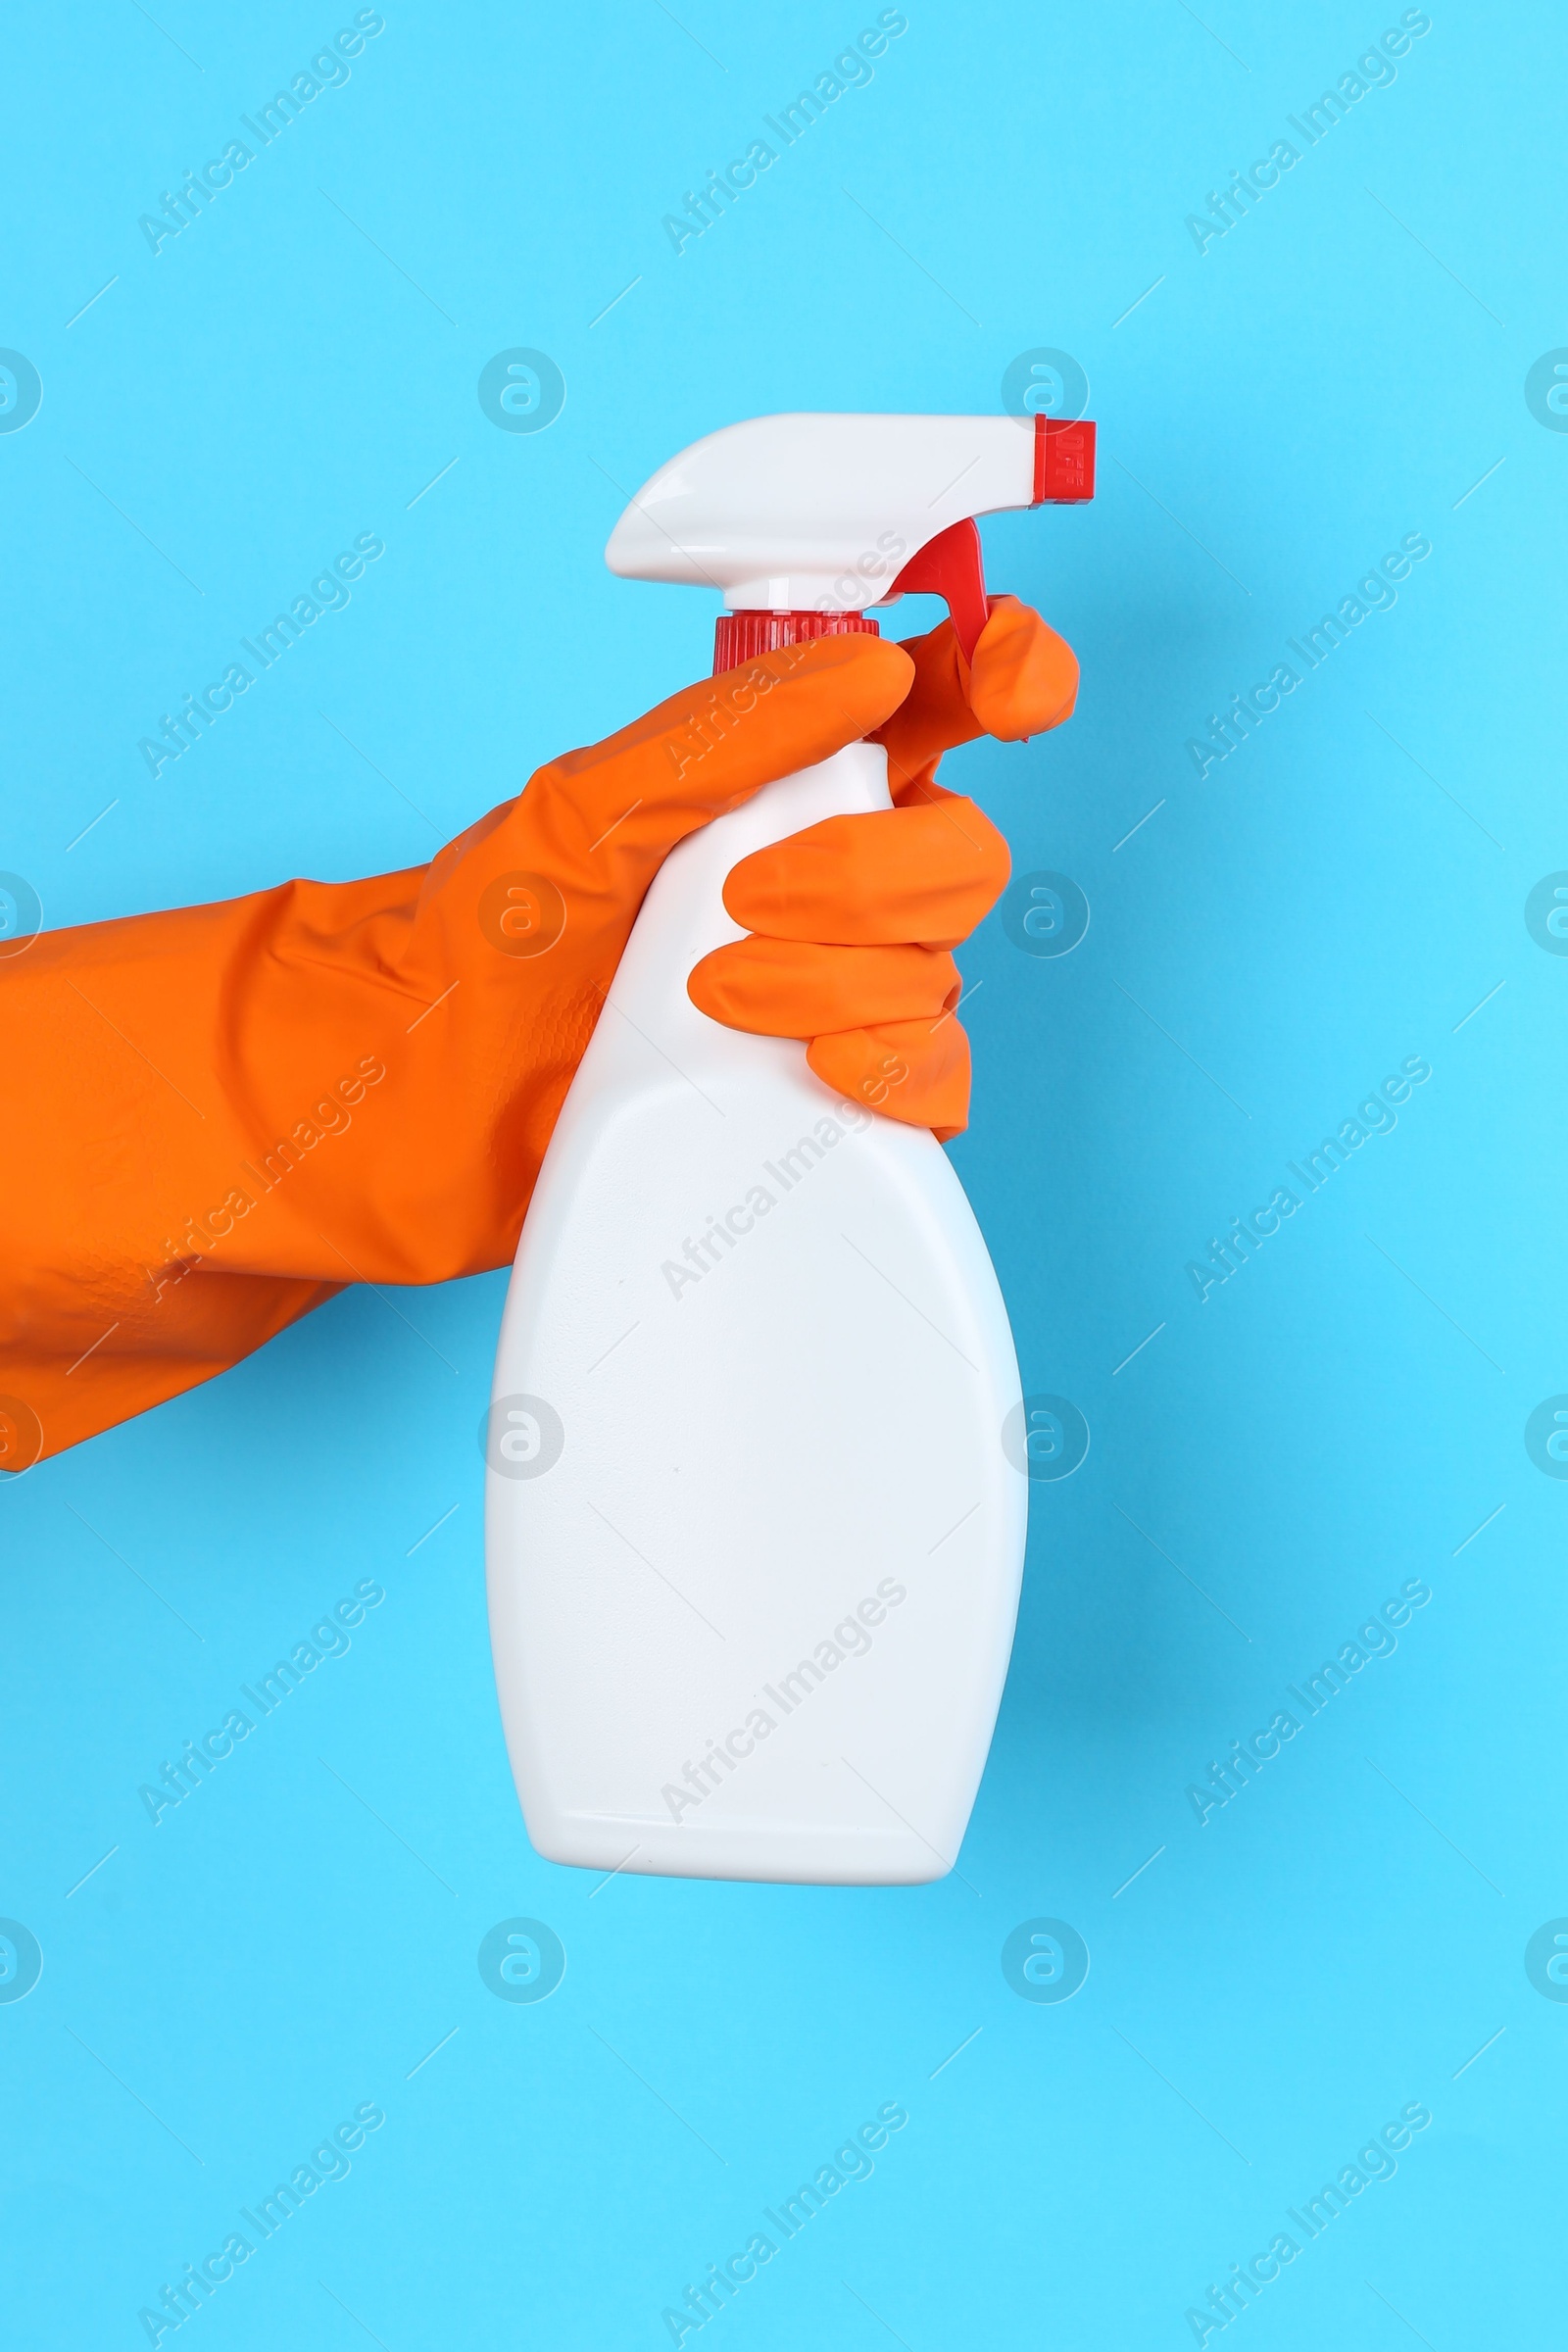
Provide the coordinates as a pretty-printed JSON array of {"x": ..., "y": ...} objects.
[{"x": 741, "y": 636}]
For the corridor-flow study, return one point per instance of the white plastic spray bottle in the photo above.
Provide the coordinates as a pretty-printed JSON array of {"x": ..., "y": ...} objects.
[{"x": 753, "y": 1542}]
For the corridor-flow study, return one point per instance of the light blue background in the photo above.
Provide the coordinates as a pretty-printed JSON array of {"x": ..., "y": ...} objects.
[{"x": 1337, "y": 371}]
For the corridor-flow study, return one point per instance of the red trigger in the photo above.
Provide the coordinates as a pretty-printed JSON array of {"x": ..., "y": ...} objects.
[{"x": 951, "y": 566}]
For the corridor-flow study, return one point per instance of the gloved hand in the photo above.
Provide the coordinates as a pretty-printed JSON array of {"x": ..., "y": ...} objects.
[
  {"x": 854, "y": 920},
  {"x": 221, "y": 1115}
]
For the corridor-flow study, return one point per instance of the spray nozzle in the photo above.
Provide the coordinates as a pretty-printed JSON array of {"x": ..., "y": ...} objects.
[{"x": 802, "y": 521}]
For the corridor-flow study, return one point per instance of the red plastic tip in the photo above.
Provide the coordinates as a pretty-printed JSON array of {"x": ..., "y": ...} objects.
[{"x": 1064, "y": 461}]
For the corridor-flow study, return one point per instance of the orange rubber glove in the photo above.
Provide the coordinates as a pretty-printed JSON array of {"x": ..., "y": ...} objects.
[{"x": 220, "y": 1116}]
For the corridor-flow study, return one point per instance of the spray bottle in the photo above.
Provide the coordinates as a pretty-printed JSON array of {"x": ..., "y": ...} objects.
[{"x": 754, "y": 1543}]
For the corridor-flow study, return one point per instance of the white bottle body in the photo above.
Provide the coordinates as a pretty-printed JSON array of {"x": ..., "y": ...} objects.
[{"x": 754, "y": 1567}]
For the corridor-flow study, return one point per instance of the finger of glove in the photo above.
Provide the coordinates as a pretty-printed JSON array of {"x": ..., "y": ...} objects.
[
  {"x": 785, "y": 987},
  {"x": 581, "y": 845},
  {"x": 705, "y": 749},
  {"x": 1025, "y": 677},
  {"x": 1023, "y": 680},
  {"x": 903, "y": 1069},
  {"x": 923, "y": 873}
]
